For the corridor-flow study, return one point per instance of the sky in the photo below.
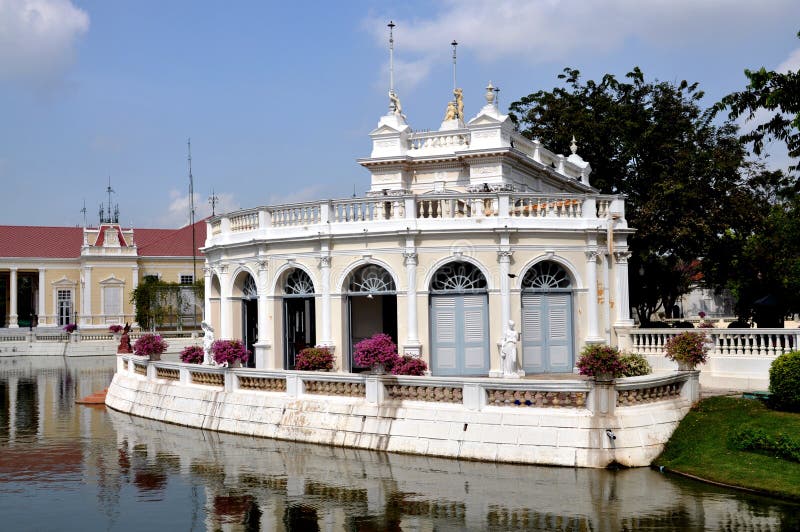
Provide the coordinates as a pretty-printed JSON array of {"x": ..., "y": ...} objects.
[{"x": 278, "y": 98}]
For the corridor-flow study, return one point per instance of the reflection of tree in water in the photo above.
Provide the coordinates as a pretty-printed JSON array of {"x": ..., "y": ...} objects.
[{"x": 301, "y": 517}]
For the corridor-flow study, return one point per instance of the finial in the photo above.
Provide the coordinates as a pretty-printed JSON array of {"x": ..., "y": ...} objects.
[
  {"x": 454, "y": 44},
  {"x": 490, "y": 93},
  {"x": 392, "y": 102},
  {"x": 573, "y": 147}
]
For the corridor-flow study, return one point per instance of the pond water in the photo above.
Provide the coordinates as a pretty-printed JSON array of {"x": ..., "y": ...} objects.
[{"x": 65, "y": 466}]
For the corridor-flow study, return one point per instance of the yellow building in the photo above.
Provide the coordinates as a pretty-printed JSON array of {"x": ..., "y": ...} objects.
[{"x": 52, "y": 276}]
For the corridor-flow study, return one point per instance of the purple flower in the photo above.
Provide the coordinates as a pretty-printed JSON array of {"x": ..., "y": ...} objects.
[
  {"x": 228, "y": 351},
  {"x": 70, "y": 327},
  {"x": 149, "y": 344},
  {"x": 410, "y": 366},
  {"x": 380, "y": 349},
  {"x": 192, "y": 354},
  {"x": 597, "y": 359}
]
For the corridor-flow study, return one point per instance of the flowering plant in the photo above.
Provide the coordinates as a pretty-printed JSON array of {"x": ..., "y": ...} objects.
[
  {"x": 705, "y": 325},
  {"x": 688, "y": 348},
  {"x": 410, "y": 366},
  {"x": 115, "y": 329},
  {"x": 229, "y": 351},
  {"x": 599, "y": 359},
  {"x": 701, "y": 314},
  {"x": 70, "y": 327},
  {"x": 380, "y": 349},
  {"x": 149, "y": 345},
  {"x": 314, "y": 359},
  {"x": 192, "y": 354}
]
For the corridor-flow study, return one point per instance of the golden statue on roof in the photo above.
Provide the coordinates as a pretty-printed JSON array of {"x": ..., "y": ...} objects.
[
  {"x": 451, "y": 113},
  {"x": 458, "y": 93}
]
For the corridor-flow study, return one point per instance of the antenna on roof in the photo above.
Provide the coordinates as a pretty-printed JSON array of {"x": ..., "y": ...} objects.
[
  {"x": 112, "y": 215},
  {"x": 191, "y": 216},
  {"x": 354, "y": 191},
  {"x": 454, "y": 45},
  {"x": 84, "y": 213},
  {"x": 213, "y": 199}
]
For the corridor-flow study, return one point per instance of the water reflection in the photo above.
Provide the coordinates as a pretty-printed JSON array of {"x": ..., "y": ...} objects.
[{"x": 101, "y": 469}]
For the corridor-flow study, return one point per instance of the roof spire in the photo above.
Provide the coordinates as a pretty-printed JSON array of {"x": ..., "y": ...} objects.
[{"x": 573, "y": 147}]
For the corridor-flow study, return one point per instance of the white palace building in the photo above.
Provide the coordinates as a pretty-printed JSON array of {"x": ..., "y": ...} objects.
[{"x": 463, "y": 230}]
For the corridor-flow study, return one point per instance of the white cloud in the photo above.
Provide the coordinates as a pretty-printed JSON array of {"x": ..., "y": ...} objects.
[
  {"x": 535, "y": 31},
  {"x": 177, "y": 214},
  {"x": 37, "y": 39},
  {"x": 308, "y": 193},
  {"x": 791, "y": 64}
]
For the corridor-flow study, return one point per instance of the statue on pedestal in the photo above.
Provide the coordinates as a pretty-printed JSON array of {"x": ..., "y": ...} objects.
[
  {"x": 451, "y": 112},
  {"x": 508, "y": 351},
  {"x": 394, "y": 102},
  {"x": 208, "y": 339},
  {"x": 459, "y": 94},
  {"x": 124, "y": 347}
]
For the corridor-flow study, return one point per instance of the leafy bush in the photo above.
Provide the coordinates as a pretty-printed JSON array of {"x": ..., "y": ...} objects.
[
  {"x": 226, "y": 352},
  {"x": 70, "y": 328},
  {"x": 599, "y": 359},
  {"x": 314, "y": 359},
  {"x": 784, "y": 382},
  {"x": 687, "y": 347},
  {"x": 192, "y": 354},
  {"x": 705, "y": 325},
  {"x": 115, "y": 329},
  {"x": 409, "y": 365},
  {"x": 149, "y": 344},
  {"x": 635, "y": 365},
  {"x": 683, "y": 325},
  {"x": 379, "y": 349},
  {"x": 758, "y": 440}
]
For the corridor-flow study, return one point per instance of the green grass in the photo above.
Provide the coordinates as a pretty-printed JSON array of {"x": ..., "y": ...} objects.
[{"x": 700, "y": 446}]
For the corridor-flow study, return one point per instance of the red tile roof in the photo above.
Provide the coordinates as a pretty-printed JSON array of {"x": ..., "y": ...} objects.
[
  {"x": 26, "y": 241},
  {"x": 41, "y": 242}
]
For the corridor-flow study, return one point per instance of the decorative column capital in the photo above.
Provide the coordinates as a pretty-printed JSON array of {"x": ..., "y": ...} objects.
[
  {"x": 504, "y": 255},
  {"x": 208, "y": 271},
  {"x": 410, "y": 258},
  {"x": 263, "y": 265},
  {"x": 222, "y": 269},
  {"x": 592, "y": 255},
  {"x": 621, "y": 257},
  {"x": 325, "y": 261}
]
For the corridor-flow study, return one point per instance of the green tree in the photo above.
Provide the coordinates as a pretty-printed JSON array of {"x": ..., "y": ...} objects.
[
  {"x": 653, "y": 142},
  {"x": 778, "y": 94},
  {"x": 159, "y": 303}
]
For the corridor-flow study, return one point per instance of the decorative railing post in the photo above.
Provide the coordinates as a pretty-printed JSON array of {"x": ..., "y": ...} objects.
[
  {"x": 375, "y": 389},
  {"x": 294, "y": 385},
  {"x": 474, "y": 396}
]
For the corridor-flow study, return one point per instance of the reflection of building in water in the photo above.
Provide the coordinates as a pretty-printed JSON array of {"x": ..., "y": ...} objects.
[{"x": 282, "y": 485}]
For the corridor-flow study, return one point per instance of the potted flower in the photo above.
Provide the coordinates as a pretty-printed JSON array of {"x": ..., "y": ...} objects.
[
  {"x": 116, "y": 331},
  {"x": 408, "y": 365},
  {"x": 688, "y": 349},
  {"x": 601, "y": 361},
  {"x": 150, "y": 345},
  {"x": 229, "y": 353},
  {"x": 314, "y": 359},
  {"x": 379, "y": 353},
  {"x": 192, "y": 354},
  {"x": 70, "y": 328}
]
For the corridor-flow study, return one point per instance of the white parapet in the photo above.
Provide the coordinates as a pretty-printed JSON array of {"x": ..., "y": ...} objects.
[{"x": 553, "y": 422}]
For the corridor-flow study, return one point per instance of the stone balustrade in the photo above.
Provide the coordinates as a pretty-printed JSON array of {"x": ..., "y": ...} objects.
[
  {"x": 520, "y": 208},
  {"x": 721, "y": 342},
  {"x": 472, "y": 393}
]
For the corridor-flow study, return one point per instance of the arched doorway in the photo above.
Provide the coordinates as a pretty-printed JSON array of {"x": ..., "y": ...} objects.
[
  {"x": 246, "y": 286},
  {"x": 547, "y": 327},
  {"x": 459, "y": 320},
  {"x": 299, "y": 329},
  {"x": 371, "y": 306}
]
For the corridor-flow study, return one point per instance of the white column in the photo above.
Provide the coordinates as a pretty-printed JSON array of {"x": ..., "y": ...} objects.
[
  {"x": 412, "y": 345},
  {"x": 41, "y": 311},
  {"x": 504, "y": 258},
  {"x": 225, "y": 316},
  {"x": 86, "y": 296},
  {"x": 207, "y": 271},
  {"x": 326, "y": 338},
  {"x": 264, "y": 343},
  {"x": 592, "y": 334},
  {"x": 134, "y": 286},
  {"x": 621, "y": 296},
  {"x": 12, "y": 314}
]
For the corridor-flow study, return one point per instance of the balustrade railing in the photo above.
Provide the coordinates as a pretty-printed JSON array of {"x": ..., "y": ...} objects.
[
  {"x": 472, "y": 393},
  {"x": 721, "y": 342}
]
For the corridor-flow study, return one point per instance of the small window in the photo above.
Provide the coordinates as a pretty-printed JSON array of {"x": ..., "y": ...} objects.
[{"x": 187, "y": 279}]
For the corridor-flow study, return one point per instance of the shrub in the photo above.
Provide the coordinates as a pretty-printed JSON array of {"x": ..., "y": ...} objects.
[
  {"x": 784, "y": 382},
  {"x": 229, "y": 351},
  {"x": 192, "y": 354},
  {"x": 314, "y": 359},
  {"x": 758, "y": 440},
  {"x": 683, "y": 325},
  {"x": 115, "y": 329},
  {"x": 598, "y": 359},
  {"x": 380, "y": 349},
  {"x": 635, "y": 365},
  {"x": 705, "y": 325},
  {"x": 70, "y": 328},
  {"x": 687, "y": 347},
  {"x": 409, "y": 365},
  {"x": 149, "y": 344}
]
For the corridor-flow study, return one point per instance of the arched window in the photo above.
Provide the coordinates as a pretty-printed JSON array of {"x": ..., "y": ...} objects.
[
  {"x": 298, "y": 283},
  {"x": 546, "y": 275},
  {"x": 249, "y": 290},
  {"x": 371, "y": 279},
  {"x": 458, "y": 277}
]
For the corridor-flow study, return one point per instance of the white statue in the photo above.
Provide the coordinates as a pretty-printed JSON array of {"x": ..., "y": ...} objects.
[
  {"x": 508, "y": 351},
  {"x": 208, "y": 339}
]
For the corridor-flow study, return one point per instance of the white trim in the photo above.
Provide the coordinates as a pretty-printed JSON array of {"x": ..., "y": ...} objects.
[
  {"x": 453, "y": 258},
  {"x": 364, "y": 262},
  {"x": 283, "y": 268},
  {"x": 573, "y": 271}
]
